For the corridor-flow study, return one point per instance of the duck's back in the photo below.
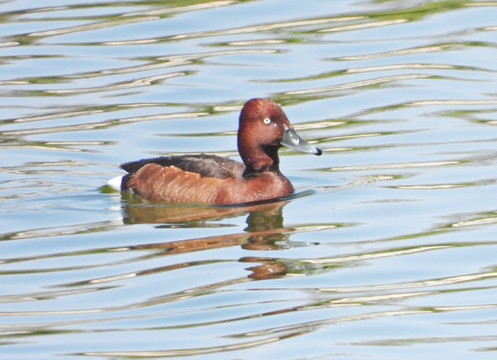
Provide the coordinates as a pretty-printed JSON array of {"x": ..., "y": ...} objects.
[
  {"x": 185, "y": 178},
  {"x": 205, "y": 165}
]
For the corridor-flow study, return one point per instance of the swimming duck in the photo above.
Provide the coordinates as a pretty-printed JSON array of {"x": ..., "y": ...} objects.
[{"x": 211, "y": 179}]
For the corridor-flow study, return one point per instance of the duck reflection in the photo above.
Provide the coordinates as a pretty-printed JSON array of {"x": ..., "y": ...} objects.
[{"x": 264, "y": 231}]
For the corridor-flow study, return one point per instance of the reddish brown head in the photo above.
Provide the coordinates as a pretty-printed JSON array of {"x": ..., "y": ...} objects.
[{"x": 263, "y": 129}]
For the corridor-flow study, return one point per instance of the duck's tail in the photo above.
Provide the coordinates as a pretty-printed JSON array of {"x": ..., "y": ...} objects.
[{"x": 115, "y": 183}]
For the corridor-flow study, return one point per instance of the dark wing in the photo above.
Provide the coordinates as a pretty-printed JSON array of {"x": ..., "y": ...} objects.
[{"x": 205, "y": 165}]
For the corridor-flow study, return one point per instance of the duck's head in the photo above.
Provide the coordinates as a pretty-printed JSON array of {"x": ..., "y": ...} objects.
[{"x": 263, "y": 129}]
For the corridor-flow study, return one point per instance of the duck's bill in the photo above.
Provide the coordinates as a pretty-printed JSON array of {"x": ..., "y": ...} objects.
[{"x": 293, "y": 141}]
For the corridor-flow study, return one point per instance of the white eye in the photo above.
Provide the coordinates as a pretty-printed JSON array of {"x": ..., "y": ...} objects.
[{"x": 267, "y": 121}]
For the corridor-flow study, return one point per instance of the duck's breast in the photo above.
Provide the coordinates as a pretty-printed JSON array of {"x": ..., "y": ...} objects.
[{"x": 257, "y": 187}]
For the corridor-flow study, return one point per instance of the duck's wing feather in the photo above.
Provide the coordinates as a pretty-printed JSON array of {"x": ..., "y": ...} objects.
[
  {"x": 205, "y": 165},
  {"x": 173, "y": 185}
]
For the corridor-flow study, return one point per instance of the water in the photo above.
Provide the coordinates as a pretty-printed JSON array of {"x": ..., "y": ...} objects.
[{"x": 388, "y": 252}]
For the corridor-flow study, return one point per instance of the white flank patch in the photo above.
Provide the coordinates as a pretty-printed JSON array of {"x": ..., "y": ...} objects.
[{"x": 115, "y": 183}]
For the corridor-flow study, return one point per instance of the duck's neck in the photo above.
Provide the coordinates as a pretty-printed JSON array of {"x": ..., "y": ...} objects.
[{"x": 260, "y": 159}]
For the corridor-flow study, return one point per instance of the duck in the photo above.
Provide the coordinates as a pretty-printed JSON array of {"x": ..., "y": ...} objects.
[{"x": 215, "y": 180}]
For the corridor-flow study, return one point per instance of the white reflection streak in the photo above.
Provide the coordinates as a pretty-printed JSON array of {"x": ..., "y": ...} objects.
[
  {"x": 365, "y": 299},
  {"x": 41, "y": 296},
  {"x": 481, "y": 4},
  {"x": 183, "y": 352},
  {"x": 419, "y": 50},
  {"x": 373, "y": 256},
  {"x": 126, "y": 85},
  {"x": 167, "y": 61},
  {"x": 359, "y": 317},
  {"x": 61, "y": 115},
  {"x": 242, "y": 30},
  {"x": 64, "y": 230},
  {"x": 265, "y": 27},
  {"x": 257, "y": 42},
  {"x": 52, "y": 312},
  {"x": 90, "y": 126},
  {"x": 318, "y": 125},
  {"x": 429, "y": 187},
  {"x": 113, "y": 278},
  {"x": 364, "y": 25},
  {"x": 484, "y": 221},
  {"x": 87, "y": 27},
  {"x": 395, "y": 166},
  {"x": 9, "y": 43},
  {"x": 453, "y": 102},
  {"x": 186, "y": 8},
  {"x": 397, "y": 67},
  {"x": 356, "y": 84},
  {"x": 416, "y": 284}
]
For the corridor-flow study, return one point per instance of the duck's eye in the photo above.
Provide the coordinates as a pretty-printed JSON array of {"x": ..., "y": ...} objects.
[{"x": 267, "y": 121}]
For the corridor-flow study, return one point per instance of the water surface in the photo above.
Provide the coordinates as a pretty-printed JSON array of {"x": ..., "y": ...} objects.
[{"x": 389, "y": 251}]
